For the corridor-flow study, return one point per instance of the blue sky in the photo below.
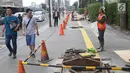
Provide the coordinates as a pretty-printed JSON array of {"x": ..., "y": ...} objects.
[{"x": 28, "y": 2}]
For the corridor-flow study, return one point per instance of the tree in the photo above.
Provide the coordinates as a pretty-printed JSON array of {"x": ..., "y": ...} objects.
[
  {"x": 44, "y": 6},
  {"x": 75, "y": 5}
]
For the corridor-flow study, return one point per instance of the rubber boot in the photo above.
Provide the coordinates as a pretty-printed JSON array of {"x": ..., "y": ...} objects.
[{"x": 101, "y": 47}]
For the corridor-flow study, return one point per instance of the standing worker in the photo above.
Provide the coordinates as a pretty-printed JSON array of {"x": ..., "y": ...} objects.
[
  {"x": 56, "y": 15},
  {"x": 30, "y": 23},
  {"x": 10, "y": 28},
  {"x": 72, "y": 16},
  {"x": 101, "y": 27}
]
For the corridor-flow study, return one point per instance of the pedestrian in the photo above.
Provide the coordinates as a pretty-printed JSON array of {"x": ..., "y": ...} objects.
[
  {"x": 101, "y": 27},
  {"x": 10, "y": 28},
  {"x": 56, "y": 15},
  {"x": 85, "y": 14},
  {"x": 72, "y": 15},
  {"x": 31, "y": 26},
  {"x": 20, "y": 19},
  {"x": 63, "y": 13}
]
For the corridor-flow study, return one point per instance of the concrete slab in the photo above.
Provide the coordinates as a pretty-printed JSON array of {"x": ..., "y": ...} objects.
[{"x": 124, "y": 54}]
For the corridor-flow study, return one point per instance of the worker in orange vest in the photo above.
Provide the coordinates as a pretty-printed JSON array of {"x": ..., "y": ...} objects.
[{"x": 101, "y": 27}]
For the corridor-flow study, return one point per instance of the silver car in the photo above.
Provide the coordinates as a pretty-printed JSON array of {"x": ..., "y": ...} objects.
[{"x": 39, "y": 15}]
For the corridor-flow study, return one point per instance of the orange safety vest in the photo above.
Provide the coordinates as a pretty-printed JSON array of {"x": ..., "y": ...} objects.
[{"x": 101, "y": 26}]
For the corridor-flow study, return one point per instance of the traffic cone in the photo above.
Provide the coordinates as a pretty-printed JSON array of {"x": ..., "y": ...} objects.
[
  {"x": 61, "y": 30},
  {"x": 44, "y": 54},
  {"x": 67, "y": 20},
  {"x": 21, "y": 67},
  {"x": 64, "y": 24}
]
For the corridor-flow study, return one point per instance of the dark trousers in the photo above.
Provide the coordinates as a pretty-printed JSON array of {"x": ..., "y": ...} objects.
[
  {"x": 101, "y": 38},
  {"x": 56, "y": 21},
  {"x": 8, "y": 40},
  {"x": 101, "y": 35}
]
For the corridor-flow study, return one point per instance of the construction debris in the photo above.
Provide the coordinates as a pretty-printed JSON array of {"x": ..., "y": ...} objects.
[{"x": 75, "y": 57}]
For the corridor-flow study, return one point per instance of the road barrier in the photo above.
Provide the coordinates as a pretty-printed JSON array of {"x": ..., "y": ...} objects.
[
  {"x": 32, "y": 53},
  {"x": 79, "y": 67}
]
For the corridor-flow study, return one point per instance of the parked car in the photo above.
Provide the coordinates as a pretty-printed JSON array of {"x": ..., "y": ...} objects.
[
  {"x": 1, "y": 20},
  {"x": 21, "y": 13},
  {"x": 39, "y": 15}
]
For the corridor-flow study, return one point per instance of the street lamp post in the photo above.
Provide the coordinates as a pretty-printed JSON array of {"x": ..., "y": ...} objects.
[
  {"x": 49, "y": 13},
  {"x": 104, "y": 4}
]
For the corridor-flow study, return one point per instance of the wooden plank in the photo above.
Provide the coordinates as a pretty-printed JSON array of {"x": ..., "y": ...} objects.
[{"x": 124, "y": 54}]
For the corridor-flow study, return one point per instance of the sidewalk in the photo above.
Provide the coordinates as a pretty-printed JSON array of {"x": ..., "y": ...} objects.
[{"x": 113, "y": 41}]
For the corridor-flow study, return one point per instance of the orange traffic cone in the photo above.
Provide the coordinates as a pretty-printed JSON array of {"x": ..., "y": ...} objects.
[
  {"x": 21, "y": 67},
  {"x": 67, "y": 20},
  {"x": 64, "y": 24},
  {"x": 61, "y": 30},
  {"x": 44, "y": 54}
]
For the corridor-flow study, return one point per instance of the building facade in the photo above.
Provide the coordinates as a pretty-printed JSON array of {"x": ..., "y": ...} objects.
[
  {"x": 67, "y": 3},
  {"x": 112, "y": 1},
  {"x": 46, "y": 2},
  {"x": 11, "y": 3}
]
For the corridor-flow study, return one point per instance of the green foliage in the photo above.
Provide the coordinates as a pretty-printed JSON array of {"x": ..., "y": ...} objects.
[
  {"x": 117, "y": 19},
  {"x": 75, "y": 5},
  {"x": 112, "y": 13},
  {"x": 113, "y": 16},
  {"x": 44, "y": 6},
  {"x": 93, "y": 11},
  {"x": 81, "y": 10}
]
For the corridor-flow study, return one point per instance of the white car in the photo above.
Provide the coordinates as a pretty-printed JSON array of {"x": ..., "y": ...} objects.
[
  {"x": 39, "y": 15},
  {"x": 21, "y": 13}
]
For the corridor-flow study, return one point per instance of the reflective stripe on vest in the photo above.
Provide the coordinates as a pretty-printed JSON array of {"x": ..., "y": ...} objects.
[{"x": 101, "y": 26}]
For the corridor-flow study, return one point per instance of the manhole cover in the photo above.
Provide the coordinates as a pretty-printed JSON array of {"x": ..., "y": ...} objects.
[{"x": 76, "y": 27}]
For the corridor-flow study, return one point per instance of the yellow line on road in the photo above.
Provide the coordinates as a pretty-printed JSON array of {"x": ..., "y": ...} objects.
[{"x": 87, "y": 40}]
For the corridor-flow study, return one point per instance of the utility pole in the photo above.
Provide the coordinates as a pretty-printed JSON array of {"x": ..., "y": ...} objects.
[
  {"x": 104, "y": 4},
  {"x": 59, "y": 5},
  {"x": 49, "y": 13},
  {"x": 123, "y": 16}
]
